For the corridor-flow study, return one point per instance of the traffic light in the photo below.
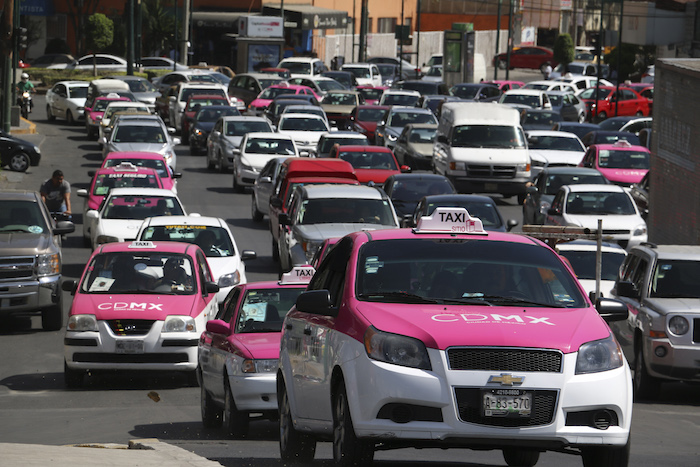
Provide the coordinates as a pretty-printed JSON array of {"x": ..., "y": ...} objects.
[
  {"x": 21, "y": 38},
  {"x": 595, "y": 42}
]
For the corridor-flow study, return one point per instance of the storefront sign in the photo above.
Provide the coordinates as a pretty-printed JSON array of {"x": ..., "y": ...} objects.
[{"x": 260, "y": 26}]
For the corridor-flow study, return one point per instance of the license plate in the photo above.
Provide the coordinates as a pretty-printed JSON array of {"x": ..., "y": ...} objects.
[
  {"x": 489, "y": 187},
  {"x": 513, "y": 403},
  {"x": 125, "y": 346}
]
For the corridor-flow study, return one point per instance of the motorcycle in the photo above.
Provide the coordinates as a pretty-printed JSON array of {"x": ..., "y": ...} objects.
[{"x": 26, "y": 104}]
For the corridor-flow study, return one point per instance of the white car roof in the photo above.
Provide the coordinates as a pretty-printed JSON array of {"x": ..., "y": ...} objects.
[
  {"x": 590, "y": 245},
  {"x": 142, "y": 192},
  {"x": 271, "y": 135},
  {"x": 595, "y": 188},
  {"x": 243, "y": 118},
  {"x": 402, "y": 92},
  {"x": 525, "y": 92},
  {"x": 125, "y": 104},
  {"x": 554, "y": 134},
  {"x": 342, "y": 191}
]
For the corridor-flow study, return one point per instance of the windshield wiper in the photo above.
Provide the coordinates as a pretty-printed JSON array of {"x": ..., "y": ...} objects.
[
  {"x": 505, "y": 300},
  {"x": 467, "y": 301},
  {"x": 399, "y": 296}
]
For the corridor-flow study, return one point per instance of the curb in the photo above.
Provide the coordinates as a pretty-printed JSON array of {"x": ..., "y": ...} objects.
[{"x": 26, "y": 128}]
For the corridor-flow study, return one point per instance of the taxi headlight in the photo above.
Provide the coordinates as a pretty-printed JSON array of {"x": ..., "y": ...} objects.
[
  {"x": 396, "y": 349},
  {"x": 48, "y": 264},
  {"x": 678, "y": 325},
  {"x": 259, "y": 366},
  {"x": 179, "y": 323},
  {"x": 641, "y": 229},
  {"x": 596, "y": 356},
  {"x": 229, "y": 280},
  {"x": 81, "y": 323},
  {"x": 105, "y": 239}
]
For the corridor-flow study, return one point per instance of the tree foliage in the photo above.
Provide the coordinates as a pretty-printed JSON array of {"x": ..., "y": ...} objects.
[
  {"x": 628, "y": 54},
  {"x": 99, "y": 31},
  {"x": 57, "y": 46},
  {"x": 158, "y": 26},
  {"x": 564, "y": 49}
]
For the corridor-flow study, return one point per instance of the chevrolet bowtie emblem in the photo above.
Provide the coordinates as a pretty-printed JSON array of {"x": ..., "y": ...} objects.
[{"x": 506, "y": 379}]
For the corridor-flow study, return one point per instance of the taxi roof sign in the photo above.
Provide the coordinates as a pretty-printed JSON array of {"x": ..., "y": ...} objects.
[
  {"x": 142, "y": 244},
  {"x": 298, "y": 275},
  {"x": 124, "y": 165},
  {"x": 450, "y": 221}
]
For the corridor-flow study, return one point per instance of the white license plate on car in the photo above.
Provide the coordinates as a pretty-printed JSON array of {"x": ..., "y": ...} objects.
[
  {"x": 506, "y": 403},
  {"x": 129, "y": 346}
]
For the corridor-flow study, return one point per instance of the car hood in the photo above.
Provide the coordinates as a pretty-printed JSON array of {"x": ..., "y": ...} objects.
[
  {"x": 223, "y": 265},
  {"x": 258, "y": 161},
  {"x": 124, "y": 229},
  {"x": 257, "y": 345},
  {"x": 610, "y": 221},
  {"x": 323, "y": 231},
  {"x": 304, "y": 137},
  {"x": 666, "y": 306},
  {"x": 23, "y": 243},
  {"x": 76, "y": 101},
  {"x": 147, "y": 97},
  {"x": 160, "y": 148},
  {"x": 369, "y": 126},
  {"x": 134, "y": 306},
  {"x": 571, "y": 158},
  {"x": 423, "y": 149},
  {"x": 441, "y": 326},
  {"x": 627, "y": 176}
]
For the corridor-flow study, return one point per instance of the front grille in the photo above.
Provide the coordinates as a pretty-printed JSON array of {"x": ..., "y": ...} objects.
[
  {"x": 504, "y": 359},
  {"x": 130, "y": 327},
  {"x": 696, "y": 330},
  {"x": 17, "y": 267},
  {"x": 469, "y": 408},
  {"x": 85, "y": 357},
  {"x": 490, "y": 171}
]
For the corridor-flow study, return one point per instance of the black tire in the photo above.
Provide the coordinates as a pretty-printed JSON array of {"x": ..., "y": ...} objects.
[
  {"x": 49, "y": 115},
  {"x": 19, "y": 162},
  {"x": 210, "y": 164},
  {"x": 646, "y": 387},
  {"x": 72, "y": 378},
  {"x": 602, "y": 116},
  {"x": 501, "y": 64},
  {"x": 236, "y": 187},
  {"x": 222, "y": 169},
  {"x": 235, "y": 422},
  {"x": 52, "y": 318},
  {"x": 212, "y": 414},
  {"x": 294, "y": 446},
  {"x": 25, "y": 112},
  {"x": 348, "y": 449},
  {"x": 521, "y": 457},
  {"x": 254, "y": 213},
  {"x": 606, "y": 456},
  {"x": 69, "y": 118}
]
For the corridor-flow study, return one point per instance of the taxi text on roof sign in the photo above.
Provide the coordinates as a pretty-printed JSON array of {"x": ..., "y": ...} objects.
[
  {"x": 452, "y": 221},
  {"x": 298, "y": 275},
  {"x": 142, "y": 244}
]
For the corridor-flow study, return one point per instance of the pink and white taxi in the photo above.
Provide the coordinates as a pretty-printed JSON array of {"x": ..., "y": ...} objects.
[
  {"x": 447, "y": 335},
  {"x": 138, "y": 306},
  {"x": 621, "y": 163},
  {"x": 239, "y": 350}
]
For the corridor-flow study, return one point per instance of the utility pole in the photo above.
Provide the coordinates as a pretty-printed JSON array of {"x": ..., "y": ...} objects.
[
  {"x": 363, "y": 31},
  {"x": 619, "y": 55},
  {"x": 7, "y": 39},
  {"x": 498, "y": 40},
  {"x": 130, "y": 38},
  {"x": 139, "y": 21},
  {"x": 510, "y": 37},
  {"x": 417, "y": 33}
]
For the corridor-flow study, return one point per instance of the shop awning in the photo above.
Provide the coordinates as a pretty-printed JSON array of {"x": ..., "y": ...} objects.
[
  {"x": 217, "y": 19},
  {"x": 309, "y": 16}
]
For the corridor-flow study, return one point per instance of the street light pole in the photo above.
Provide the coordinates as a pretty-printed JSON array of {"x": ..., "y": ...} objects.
[
  {"x": 619, "y": 54},
  {"x": 498, "y": 41}
]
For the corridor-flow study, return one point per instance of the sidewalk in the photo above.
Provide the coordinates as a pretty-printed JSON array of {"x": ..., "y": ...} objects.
[
  {"x": 25, "y": 128},
  {"x": 140, "y": 452}
]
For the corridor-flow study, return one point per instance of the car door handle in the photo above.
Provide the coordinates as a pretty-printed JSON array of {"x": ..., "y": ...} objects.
[{"x": 307, "y": 331}]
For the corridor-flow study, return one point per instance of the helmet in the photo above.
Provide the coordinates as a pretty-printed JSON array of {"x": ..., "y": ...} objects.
[{"x": 25, "y": 77}]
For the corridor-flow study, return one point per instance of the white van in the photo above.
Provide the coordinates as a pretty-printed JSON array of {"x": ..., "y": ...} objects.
[
  {"x": 367, "y": 74},
  {"x": 481, "y": 148}
]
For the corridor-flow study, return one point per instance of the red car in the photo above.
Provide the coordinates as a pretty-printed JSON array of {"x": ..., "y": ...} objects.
[
  {"x": 372, "y": 94},
  {"x": 194, "y": 102},
  {"x": 611, "y": 103},
  {"x": 364, "y": 119},
  {"x": 526, "y": 57},
  {"x": 371, "y": 163}
]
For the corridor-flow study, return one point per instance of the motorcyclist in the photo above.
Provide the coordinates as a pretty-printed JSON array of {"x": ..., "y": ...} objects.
[{"x": 22, "y": 86}]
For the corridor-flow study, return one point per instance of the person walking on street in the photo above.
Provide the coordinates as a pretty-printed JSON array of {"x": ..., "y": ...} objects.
[
  {"x": 56, "y": 193},
  {"x": 547, "y": 70}
]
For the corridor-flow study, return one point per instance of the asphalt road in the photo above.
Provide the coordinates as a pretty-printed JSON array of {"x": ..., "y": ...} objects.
[{"x": 35, "y": 408}]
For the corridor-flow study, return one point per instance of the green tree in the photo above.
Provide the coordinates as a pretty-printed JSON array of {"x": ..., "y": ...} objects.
[
  {"x": 564, "y": 50},
  {"x": 628, "y": 55},
  {"x": 158, "y": 26},
  {"x": 99, "y": 33}
]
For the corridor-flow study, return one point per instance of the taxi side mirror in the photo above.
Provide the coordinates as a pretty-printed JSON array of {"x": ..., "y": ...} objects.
[
  {"x": 276, "y": 203},
  {"x": 211, "y": 287},
  {"x": 177, "y": 174},
  {"x": 69, "y": 286},
  {"x": 248, "y": 254},
  {"x": 611, "y": 310},
  {"x": 317, "y": 302},
  {"x": 218, "y": 326}
]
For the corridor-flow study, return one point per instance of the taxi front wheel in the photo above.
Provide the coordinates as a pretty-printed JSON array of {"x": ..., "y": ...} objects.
[
  {"x": 294, "y": 446},
  {"x": 348, "y": 450},
  {"x": 235, "y": 422},
  {"x": 211, "y": 413},
  {"x": 521, "y": 457}
]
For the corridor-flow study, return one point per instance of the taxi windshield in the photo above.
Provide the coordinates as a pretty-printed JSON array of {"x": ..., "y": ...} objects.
[
  {"x": 263, "y": 310},
  {"x": 140, "y": 272},
  {"x": 105, "y": 182},
  {"x": 140, "y": 207},
  {"x": 464, "y": 270},
  {"x": 616, "y": 159},
  {"x": 214, "y": 241}
]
